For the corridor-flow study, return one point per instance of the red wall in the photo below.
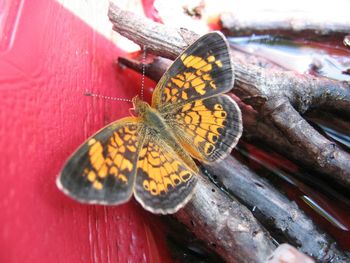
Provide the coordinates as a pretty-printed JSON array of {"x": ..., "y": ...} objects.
[{"x": 48, "y": 58}]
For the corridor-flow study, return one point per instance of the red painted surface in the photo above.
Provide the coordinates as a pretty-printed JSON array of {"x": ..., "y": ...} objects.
[{"x": 48, "y": 58}]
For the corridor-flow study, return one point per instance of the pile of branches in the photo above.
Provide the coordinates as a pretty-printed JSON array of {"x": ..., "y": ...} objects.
[{"x": 273, "y": 102}]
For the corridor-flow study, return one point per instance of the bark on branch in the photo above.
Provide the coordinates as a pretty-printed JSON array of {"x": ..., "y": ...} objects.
[
  {"x": 278, "y": 96},
  {"x": 308, "y": 24},
  {"x": 225, "y": 225}
]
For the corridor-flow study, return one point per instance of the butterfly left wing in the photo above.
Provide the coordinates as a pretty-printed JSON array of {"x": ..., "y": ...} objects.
[
  {"x": 164, "y": 183},
  {"x": 103, "y": 169},
  {"x": 203, "y": 70}
]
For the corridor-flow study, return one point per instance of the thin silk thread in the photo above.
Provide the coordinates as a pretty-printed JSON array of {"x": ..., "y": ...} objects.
[{"x": 143, "y": 70}]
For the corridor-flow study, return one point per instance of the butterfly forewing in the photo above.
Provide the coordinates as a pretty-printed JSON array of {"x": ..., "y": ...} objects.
[
  {"x": 103, "y": 169},
  {"x": 202, "y": 70}
]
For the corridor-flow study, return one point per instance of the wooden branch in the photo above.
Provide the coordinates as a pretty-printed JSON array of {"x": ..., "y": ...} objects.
[
  {"x": 301, "y": 24},
  {"x": 285, "y": 221},
  {"x": 227, "y": 227},
  {"x": 267, "y": 90}
]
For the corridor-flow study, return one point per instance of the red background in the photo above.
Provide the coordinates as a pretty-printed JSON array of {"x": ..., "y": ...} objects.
[{"x": 48, "y": 59}]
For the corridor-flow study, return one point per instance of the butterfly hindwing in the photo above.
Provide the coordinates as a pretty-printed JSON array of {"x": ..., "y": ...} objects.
[
  {"x": 164, "y": 183},
  {"x": 202, "y": 70},
  {"x": 209, "y": 128},
  {"x": 103, "y": 169}
]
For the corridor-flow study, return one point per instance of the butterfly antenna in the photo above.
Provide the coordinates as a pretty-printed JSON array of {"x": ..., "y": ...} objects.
[
  {"x": 88, "y": 93},
  {"x": 143, "y": 71}
]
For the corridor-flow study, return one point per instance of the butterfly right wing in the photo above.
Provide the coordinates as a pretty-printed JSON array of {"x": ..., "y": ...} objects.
[{"x": 103, "y": 169}]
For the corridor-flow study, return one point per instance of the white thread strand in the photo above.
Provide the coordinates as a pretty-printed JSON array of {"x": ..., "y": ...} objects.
[
  {"x": 106, "y": 97},
  {"x": 143, "y": 71}
]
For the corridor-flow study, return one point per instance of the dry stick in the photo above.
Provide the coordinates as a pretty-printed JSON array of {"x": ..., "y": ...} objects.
[
  {"x": 227, "y": 227},
  {"x": 277, "y": 212},
  {"x": 268, "y": 91},
  {"x": 297, "y": 24}
]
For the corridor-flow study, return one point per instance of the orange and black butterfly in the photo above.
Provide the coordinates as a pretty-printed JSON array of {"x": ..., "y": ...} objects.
[{"x": 150, "y": 155}]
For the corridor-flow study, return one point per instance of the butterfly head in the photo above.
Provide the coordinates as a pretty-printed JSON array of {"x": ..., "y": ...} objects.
[{"x": 140, "y": 106}]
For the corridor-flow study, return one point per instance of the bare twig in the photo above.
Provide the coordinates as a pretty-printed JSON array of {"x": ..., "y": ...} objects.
[
  {"x": 298, "y": 23},
  {"x": 227, "y": 227},
  {"x": 279, "y": 215}
]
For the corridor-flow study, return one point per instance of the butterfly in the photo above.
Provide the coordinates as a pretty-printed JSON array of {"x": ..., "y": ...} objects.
[{"x": 151, "y": 155}]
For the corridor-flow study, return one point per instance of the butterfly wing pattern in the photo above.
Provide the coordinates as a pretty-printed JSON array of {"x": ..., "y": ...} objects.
[
  {"x": 129, "y": 156},
  {"x": 189, "y": 95},
  {"x": 103, "y": 169},
  {"x": 164, "y": 183}
]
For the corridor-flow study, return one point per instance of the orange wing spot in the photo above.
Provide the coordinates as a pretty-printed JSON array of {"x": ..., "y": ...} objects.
[
  {"x": 194, "y": 116},
  {"x": 109, "y": 161},
  {"x": 206, "y": 68},
  {"x": 154, "y": 161},
  {"x": 103, "y": 171},
  {"x": 183, "y": 56},
  {"x": 161, "y": 188},
  {"x": 91, "y": 176},
  {"x": 117, "y": 139},
  {"x": 218, "y": 107},
  {"x": 184, "y": 96},
  {"x": 206, "y": 77},
  {"x": 143, "y": 152},
  {"x": 198, "y": 140},
  {"x": 212, "y": 84},
  {"x": 186, "y": 107},
  {"x": 91, "y": 141},
  {"x": 218, "y": 63},
  {"x": 118, "y": 160},
  {"x": 127, "y": 137},
  {"x": 192, "y": 127},
  {"x": 222, "y": 114},
  {"x": 200, "y": 89},
  {"x": 201, "y": 132},
  {"x": 123, "y": 178},
  {"x": 167, "y": 94},
  {"x": 205, "y": 126},
  {"x": 200, "y": 64},
  {"x": 174, "y": 92},
  {"x": 221, "y": 122},
  {"x": 153, "y": 187},
  {"x": 167, "y": 182},
  {"x": 131, "y": 148},
  {"x": 197, "y": 81},
  {"x": 189, "y": 76},
  {"x": 95, "y": 148},
  {"x": 211, "y": 59},
  {"x": 146, "y": 184},
  {"x": 126, "y": 164},
  {"x": 97, "y": 185},
  {"x": 113, "y": 170},
  {"x": 177, "y": 82},
  {"x": 188, "y": 120}
]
